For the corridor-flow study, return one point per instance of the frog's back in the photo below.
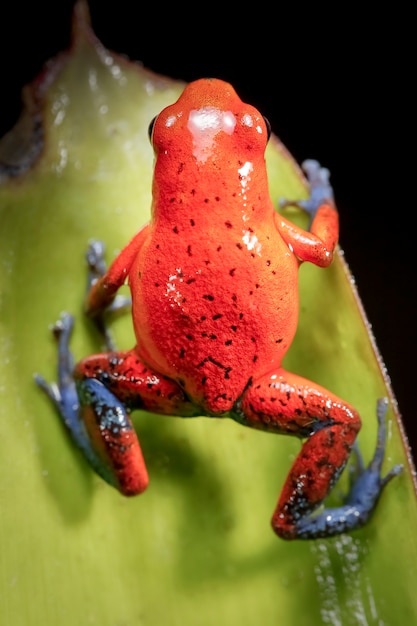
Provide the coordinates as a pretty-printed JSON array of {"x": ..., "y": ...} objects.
[{"x": 214, "y": 313}]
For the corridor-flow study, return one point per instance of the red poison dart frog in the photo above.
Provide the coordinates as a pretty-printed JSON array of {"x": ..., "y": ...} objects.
[{"x": 213, "y": 281}]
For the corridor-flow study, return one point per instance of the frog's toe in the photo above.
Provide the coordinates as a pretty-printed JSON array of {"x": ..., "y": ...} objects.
[
  {"x": 50, "y": 389},
  {"x": 321, "y": 191},
  {"x": 356, "y": 466},
  {"x": 63, "y": 326},
  {"x": 311, "y": 167},
  {"x": 376, "y": 463},
  {"x": 316, "y": 174},
  {"x": 378, "y": 458},
  {"x": 95, "y": 258},
  {"x": 120, "y": 304},
  {"x": 370, "y": 482}
]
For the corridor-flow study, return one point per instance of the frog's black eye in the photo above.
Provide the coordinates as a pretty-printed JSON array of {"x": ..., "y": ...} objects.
[
  {"x": 150, "y": 128},
  {"x": 268, "y": 127}
]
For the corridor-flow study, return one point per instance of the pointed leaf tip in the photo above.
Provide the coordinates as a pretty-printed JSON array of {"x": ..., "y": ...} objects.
[{"x": 81, "y": 21}]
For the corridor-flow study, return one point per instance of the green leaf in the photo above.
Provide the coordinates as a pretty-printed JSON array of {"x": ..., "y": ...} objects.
[{"x": 197, "y": 547}]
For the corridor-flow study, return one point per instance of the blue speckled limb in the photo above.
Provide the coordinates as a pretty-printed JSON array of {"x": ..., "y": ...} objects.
[
  {"x": 96, "y": 268},
  {"x": 65, "y": 398},
  {"x": 362, "y": 497}
]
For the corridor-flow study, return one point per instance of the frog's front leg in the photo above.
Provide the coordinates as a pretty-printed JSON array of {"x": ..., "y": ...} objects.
[
  {"x": 317, "y": 244},
  {"x": 101, "y": 300},
  {"x": 286, "y": 403},
  {"x": 95, "y": 398},
  {"x": 103, "y": 283}
]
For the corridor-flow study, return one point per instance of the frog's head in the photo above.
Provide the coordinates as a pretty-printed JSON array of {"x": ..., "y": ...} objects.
[{"x": 209, "y": 122}]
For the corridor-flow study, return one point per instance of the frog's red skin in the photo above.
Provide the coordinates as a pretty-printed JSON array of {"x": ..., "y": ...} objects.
[{"x": 213, "y": 278}]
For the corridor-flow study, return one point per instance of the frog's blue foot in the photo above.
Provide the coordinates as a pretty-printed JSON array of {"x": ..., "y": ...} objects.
[
  {"x": 368, "y": 481},
  {"x": 64, "y": 396},
  {"x": 321, "y": 191},
  {"x": 362, "y": 497},
  {"x": 96, "y": 268}
]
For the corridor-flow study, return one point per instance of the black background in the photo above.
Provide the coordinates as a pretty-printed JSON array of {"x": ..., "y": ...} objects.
[{"x": 334, "y": 85}]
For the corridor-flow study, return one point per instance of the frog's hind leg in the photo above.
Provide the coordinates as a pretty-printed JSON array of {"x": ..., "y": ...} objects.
[
  {"x": 109, "y": 386},
  {"x": 97, "y": 412},
  {"x": 289, "y": 404},
  {"x": 94, "y": 400}
]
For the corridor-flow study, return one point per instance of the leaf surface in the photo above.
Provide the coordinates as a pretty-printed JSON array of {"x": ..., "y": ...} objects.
[{"x": 197, "y": 547}]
